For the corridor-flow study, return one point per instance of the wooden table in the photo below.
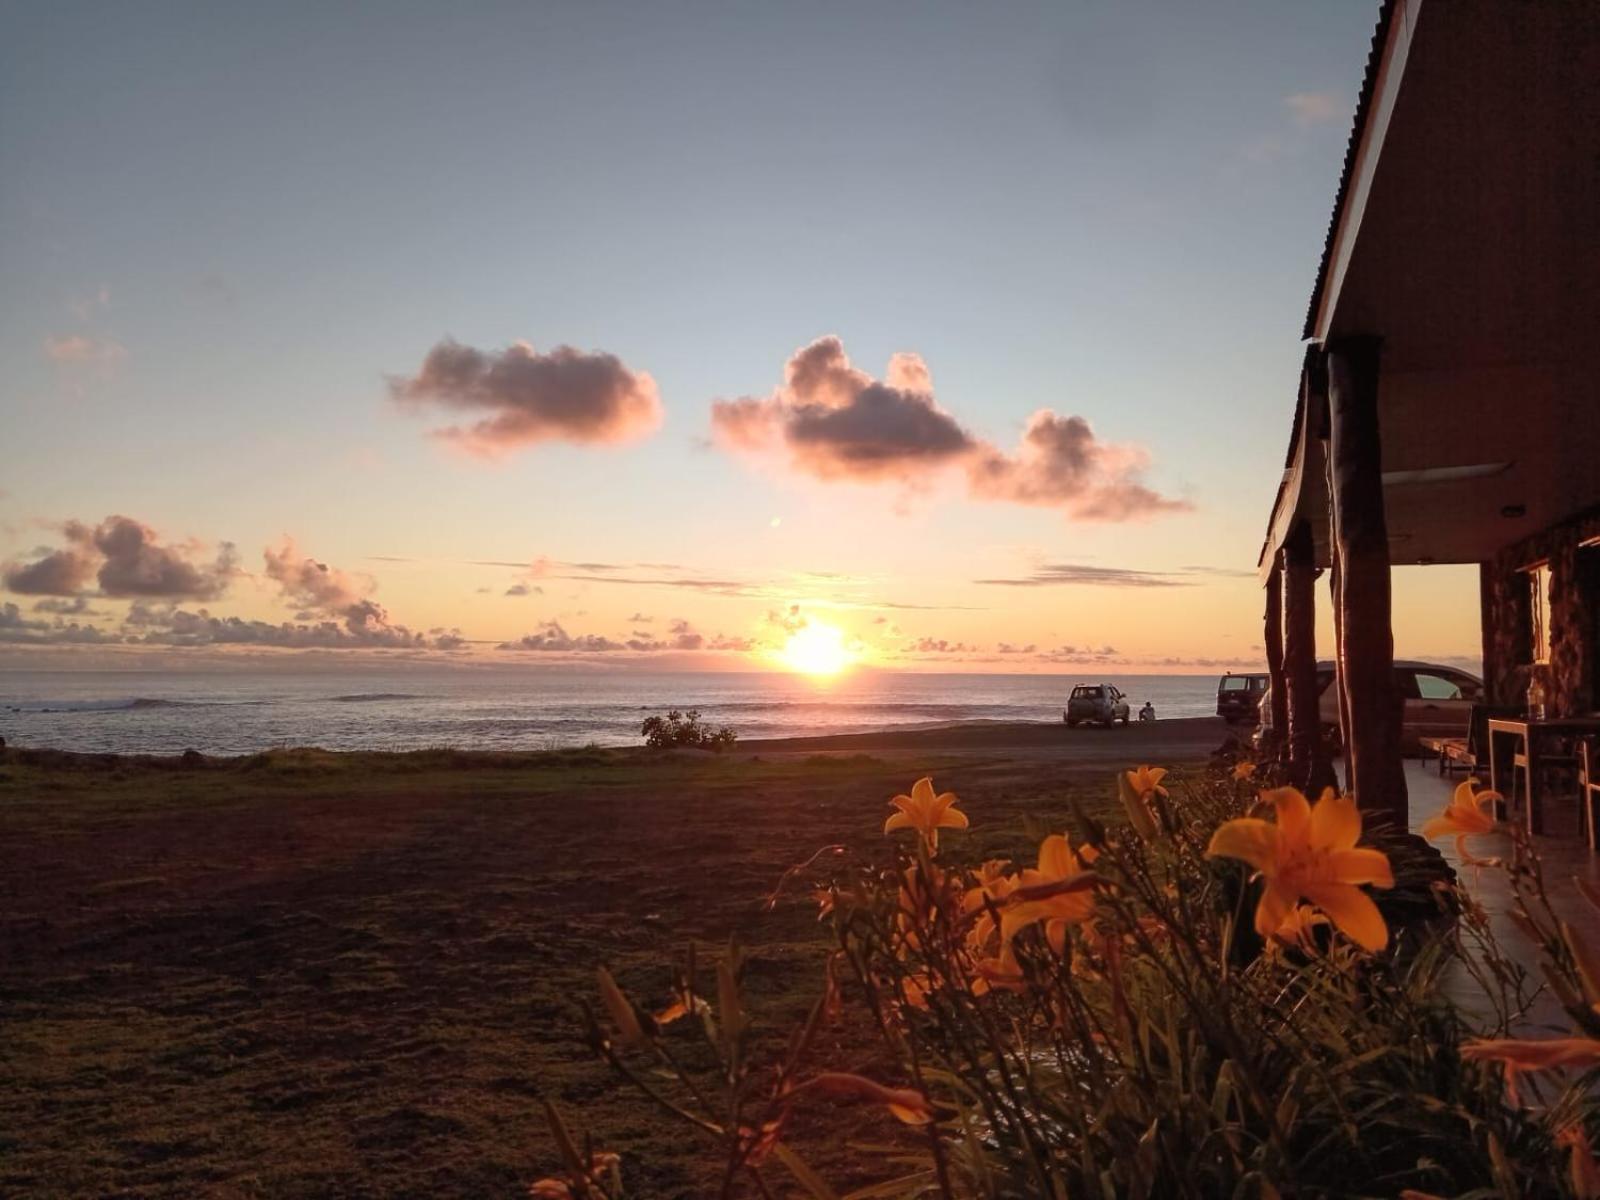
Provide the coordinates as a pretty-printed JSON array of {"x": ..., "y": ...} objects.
[{"x": 1502, "y": 730}]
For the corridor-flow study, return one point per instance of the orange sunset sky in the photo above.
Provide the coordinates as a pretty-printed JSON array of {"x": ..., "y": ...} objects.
[{"x": 603, "y": 337}]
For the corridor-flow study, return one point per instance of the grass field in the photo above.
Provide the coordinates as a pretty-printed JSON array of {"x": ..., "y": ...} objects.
[{"x": 305, "y": 974}]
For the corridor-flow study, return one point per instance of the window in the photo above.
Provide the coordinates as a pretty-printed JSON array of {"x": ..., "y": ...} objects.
[
  {"x": 1235, "y": 683},
  {"x": 1437, "y": 687},
  {"x": 1539, "y": 611}
]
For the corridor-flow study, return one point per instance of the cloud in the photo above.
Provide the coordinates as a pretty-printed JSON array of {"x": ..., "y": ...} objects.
[
  {"x": 1315, "y": 108},
  {"x": 681, "y": 637},
  {"x": 77, "y": 606},
  {"x": 1221, "y": 572},
  {"x": 552, "y": 637},
  {"x": 566, "y": 395},
  {"x": 1060, "y": 574},
  {"x": 326, "y": 591},
  {"x": 834, "y": 422},
  {"x": 126, "y": 559},
  {"x": 18, "y": 630},
  {"x": 1061, "y": 464},
  {"x": 307, "y": 583},
  {"x": 837, "y": 422},
  {"x": 63, "y": 572},
  {"x": 136, "y": 564},
  {"x": 365, "y": 628},
  {"x": 79, "y": 348},
  {"x": 524, "y": 589},
  {"x": 928, "y": 645}
]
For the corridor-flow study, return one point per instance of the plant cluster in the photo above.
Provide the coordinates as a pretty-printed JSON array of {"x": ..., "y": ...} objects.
[
  {"x": 683, "y": 730},
  {"x": 1207, "y": 1000}
]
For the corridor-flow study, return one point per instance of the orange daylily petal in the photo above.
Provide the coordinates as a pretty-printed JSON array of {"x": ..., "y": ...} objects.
[
  {"x": 1294, "y": 813},
  {"x": 899, "y": 820},
  {"x": 1277, "y": 903},
  {"x": 1467, "y": 797},
  {"x": 1362, "y": 865},
  {"x": 1147, "y": 779},
  {"x": 1335, "y": 823},
  {"x": 1247, "y": 838},
  {"x": 1353, "y": 911},
  {"x": 1055, "y": 856},
  {"x": 922, "y": 791},
  {"x": 952, "y": 818},
  {"x": 1443, "y": 825}
]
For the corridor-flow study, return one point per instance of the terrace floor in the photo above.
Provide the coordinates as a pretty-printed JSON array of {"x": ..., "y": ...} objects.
[{"x": 1565, "y": 857}]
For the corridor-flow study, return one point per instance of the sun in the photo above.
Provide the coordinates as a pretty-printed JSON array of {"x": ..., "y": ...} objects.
[{"x": 816, "y": 649}]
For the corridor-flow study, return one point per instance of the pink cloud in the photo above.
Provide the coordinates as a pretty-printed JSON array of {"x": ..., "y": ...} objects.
[
  {"x": 79, "y": 348},
  {"x": 125, "y": 558},
  {"x": 527, "y": 397},
  {"x": 1314, "y": 108},
  {"x": 834, "y": 422}
]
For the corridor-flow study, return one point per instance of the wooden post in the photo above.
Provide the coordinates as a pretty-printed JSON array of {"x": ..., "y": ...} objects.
[
  {"x": 1488, "y": 616},
  {"x": 1335, "y": 576},
  {"x": 1277, "y": 687},
  {"x": 1306, "y": 769},
  {"x": 1366, "y": 657}
]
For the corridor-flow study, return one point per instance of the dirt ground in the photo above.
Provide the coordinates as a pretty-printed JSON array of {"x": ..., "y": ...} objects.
[{"x": 356, "y": 975}]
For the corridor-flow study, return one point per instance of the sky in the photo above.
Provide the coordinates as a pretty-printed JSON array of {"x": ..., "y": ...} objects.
[{"x": 657, "y": 333}]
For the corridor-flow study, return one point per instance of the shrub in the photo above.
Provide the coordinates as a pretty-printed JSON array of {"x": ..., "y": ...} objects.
[
  {"x": 684, "y": 729},
  {"x": 1202, "y": 1002}
]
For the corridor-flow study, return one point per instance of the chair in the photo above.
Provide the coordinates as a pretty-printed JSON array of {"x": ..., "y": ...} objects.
[
  {"x": 1589, "y": 791},
  {"x": 1568, "y": 758},
  {"x": 1476, "y": 754}
]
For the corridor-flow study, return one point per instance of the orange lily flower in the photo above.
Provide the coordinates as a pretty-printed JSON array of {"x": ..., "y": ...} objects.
[
  {"x": 1311, "y": 853},
  {"x": 1243, "y": 769},
  {"x": 926, "y": 812},
  {"x": 994, "y": 885},
  {"x": 921, "y": 900},
  {"x": 1059, "y": 893},
  {"x": 1136, "y": 787},
  {"x": 1468, "y": 813},
  {"x": 1534, "y": 1054}
]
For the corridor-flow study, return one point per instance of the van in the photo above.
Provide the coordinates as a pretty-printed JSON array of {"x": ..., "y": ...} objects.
[{"x": 1239, "y": 697}]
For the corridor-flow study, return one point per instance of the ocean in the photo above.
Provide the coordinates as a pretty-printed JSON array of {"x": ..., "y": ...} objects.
[{"x": 405, "y": 708}]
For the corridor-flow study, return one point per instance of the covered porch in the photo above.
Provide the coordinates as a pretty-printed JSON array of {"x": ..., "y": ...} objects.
[{"x": 1447, "y": 409}]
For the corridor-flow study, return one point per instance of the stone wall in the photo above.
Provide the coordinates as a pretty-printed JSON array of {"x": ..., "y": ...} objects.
[{"x": 1569, "y": 676}]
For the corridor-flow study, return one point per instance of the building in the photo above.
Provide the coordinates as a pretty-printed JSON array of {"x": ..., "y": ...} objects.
[{"x": 1448, "y": 410}]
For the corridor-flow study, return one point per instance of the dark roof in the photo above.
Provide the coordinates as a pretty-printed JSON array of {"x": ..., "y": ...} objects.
[{"x": 1369, "y": 85}]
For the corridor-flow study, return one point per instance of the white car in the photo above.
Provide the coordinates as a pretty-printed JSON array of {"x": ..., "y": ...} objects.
[
  {"x": 1438, "y": 700},
  {"x": 1099, "y": 703}
]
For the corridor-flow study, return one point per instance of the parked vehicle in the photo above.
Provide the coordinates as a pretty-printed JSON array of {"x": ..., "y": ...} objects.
[
  {"x": 1239, "y": 697},
  {"x": 1096, "y": 703},
  {"x": 1438, "y": 701}
]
